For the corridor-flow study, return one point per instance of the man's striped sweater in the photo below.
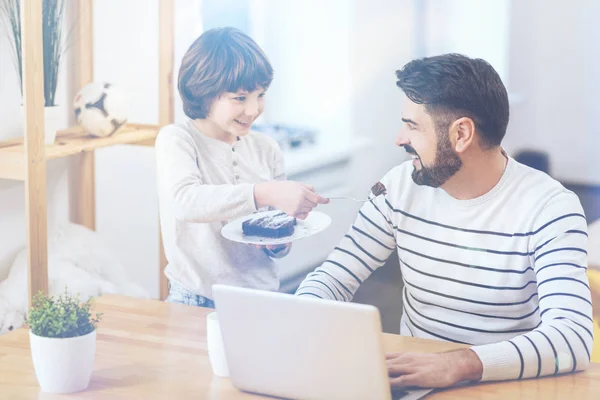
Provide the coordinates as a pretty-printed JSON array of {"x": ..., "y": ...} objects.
[{"x": 504, "y": 272}]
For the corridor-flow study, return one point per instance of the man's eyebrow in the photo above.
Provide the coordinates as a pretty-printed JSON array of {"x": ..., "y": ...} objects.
[{"x": 409, "y": 121}]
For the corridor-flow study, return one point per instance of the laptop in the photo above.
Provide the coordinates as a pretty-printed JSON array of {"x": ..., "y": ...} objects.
[{"x": 296, "y": 347}]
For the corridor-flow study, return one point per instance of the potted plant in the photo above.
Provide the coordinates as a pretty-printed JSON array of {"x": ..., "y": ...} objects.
[
  {"x": 63, "y": 342},
  {"x": 53, "y": 45}
]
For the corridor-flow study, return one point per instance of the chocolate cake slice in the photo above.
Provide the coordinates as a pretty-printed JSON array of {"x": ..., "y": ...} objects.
[
  {"x": 378, "y": 189},
  {"x": 275, "y": 225}
]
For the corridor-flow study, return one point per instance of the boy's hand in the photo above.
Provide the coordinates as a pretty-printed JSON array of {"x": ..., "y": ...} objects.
[
  {"x": 275, "y": 250},
  {"x": 293, "y": 198}
]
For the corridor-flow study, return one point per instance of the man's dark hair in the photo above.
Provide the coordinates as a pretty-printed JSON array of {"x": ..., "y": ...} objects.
[{"x": 452, "y": 86}]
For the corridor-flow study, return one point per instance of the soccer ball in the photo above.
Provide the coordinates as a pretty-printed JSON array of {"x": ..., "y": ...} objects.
[{"x": 100, "y": 108}]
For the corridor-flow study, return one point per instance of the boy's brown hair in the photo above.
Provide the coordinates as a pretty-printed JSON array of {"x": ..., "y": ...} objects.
[{"x": 220, "y": 60}]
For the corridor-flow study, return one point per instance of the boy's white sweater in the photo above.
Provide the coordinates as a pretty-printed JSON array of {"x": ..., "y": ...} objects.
[{"x": 202, "y": 184}]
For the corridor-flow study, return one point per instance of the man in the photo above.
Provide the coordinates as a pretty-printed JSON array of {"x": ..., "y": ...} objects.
[{"x": 492, "y": 252}]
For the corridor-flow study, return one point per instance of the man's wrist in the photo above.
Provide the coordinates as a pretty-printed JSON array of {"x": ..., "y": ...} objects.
[{"x": 468, "y": 365}]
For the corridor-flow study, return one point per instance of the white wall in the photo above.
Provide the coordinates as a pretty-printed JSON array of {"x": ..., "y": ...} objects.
[
  {"x": 474, "y": 28},
  {"x": 308, "y": 45},
  {"x": 383, "y": 40},
  {"x": 554, "y": 64}
]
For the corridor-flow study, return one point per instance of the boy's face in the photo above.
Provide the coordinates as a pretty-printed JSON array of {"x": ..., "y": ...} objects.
[{"x": 234, "y": 113}]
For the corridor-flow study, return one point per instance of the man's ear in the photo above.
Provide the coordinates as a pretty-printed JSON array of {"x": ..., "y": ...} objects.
[{"x": 462, "y": 134}]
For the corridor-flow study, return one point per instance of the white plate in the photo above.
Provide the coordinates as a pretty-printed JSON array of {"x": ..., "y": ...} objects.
[{"x": 313, "y": 224}]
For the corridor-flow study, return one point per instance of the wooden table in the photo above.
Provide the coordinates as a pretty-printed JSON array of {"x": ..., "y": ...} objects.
[{"x": 154, "y": 350}]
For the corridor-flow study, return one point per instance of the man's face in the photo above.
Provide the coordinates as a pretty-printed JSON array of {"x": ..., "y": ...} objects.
[{"x": 434, "y": 159}]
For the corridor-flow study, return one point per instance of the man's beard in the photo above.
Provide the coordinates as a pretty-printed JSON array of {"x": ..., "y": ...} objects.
[{"x": 447, "y": 163}]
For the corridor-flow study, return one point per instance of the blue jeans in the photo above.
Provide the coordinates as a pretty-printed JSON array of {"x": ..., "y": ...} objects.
[{"x": 180, "y": 295}]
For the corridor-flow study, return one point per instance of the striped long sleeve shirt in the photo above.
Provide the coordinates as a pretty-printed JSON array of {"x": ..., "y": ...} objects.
[{"x": 504, "y": 272}]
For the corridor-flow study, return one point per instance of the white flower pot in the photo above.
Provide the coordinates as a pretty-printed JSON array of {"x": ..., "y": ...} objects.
[
  {"x": 51, "y": 122},
  {"x": 63, "y": 365}
]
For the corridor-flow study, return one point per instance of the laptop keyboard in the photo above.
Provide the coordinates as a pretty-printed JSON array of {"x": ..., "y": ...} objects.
[
  {"x": 401, "y": 394},
  {"x": 397, "y": 394}
]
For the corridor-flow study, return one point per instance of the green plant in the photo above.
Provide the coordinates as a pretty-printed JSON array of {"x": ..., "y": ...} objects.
[
  {"x": 53, "y": 45},
  {"x": 61, "y": 317}
]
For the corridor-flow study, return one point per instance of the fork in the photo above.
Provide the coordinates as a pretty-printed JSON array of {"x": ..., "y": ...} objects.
[{"x": 348, "y": 198}]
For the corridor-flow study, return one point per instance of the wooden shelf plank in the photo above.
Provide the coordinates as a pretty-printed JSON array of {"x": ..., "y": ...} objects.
[
  {"x": 12, "y": 165},
  {"x": 69, "y": 142},
  {"x": 82, "y": 170},
  {"x": 82, "y": 189},
  {"x": 32, "y": 153},
  {"x": 166, "y": 106},
  {"x": 75, "y": 140}
]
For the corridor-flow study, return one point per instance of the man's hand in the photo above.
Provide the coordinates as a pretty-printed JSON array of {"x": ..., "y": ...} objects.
[{"x": 433, "y": 370}]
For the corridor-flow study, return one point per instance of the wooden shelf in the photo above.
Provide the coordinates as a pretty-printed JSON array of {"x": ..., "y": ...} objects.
[
  {"x": 69, "y": 142},
  {"x": 25, "y": 160}
]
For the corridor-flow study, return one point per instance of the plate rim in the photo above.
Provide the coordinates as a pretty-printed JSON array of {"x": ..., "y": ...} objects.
[{"x": 272, "y": 241}]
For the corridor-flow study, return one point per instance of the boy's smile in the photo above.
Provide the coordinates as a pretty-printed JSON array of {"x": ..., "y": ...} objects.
[
  {"x": 231, "y": 115},
  {"x": 244, "y": 124}
]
